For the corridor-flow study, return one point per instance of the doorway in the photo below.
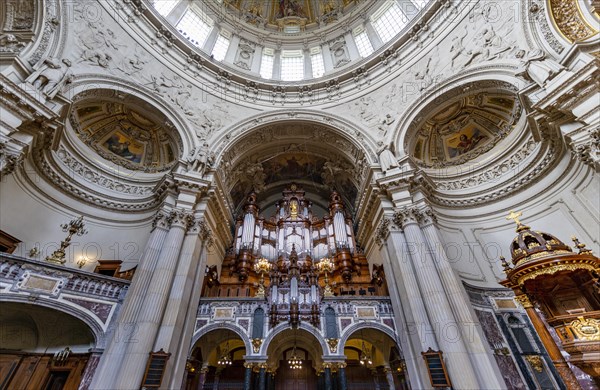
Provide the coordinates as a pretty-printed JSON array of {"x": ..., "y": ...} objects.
[{"x": 303, "y": 378}]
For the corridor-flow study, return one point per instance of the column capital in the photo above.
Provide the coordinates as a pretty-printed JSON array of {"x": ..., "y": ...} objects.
[
  {"x": 421, "y": 215},
  {"x": 200, "y": 227},
  {"x": 406, "y": 216},
  {"x": 161, "y": 220},
  {"x": 182, "y": 218},
  {"x": 524, "y": 301},
  {"x": 427, "y": 216},
  {"x": 387, "y": 225}
]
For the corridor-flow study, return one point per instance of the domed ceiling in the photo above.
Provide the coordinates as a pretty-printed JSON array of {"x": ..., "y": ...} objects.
[
  {"x": 127, "y": 132},
  {"x": 280, "y": 15},
  {"x": 287, "y": 40},
  {"x": 456, "y": 132}
]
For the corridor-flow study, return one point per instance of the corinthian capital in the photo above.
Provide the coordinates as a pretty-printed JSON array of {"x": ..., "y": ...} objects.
[
  {"x": 160, "y": 220},
  {"x": 426, "y": 216},
  {"x": 200, "y": 227},
  {"x": 406, "y": 216},
  {"x": 182, "y": 218},
  {"x": 382, "y": 230}
]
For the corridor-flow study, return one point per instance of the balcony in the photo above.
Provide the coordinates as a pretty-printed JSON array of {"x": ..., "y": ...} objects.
[{"x": 92, "y": 297}]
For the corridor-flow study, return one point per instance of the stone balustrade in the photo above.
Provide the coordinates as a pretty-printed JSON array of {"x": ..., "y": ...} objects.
[{"x": 86, "y": 295}]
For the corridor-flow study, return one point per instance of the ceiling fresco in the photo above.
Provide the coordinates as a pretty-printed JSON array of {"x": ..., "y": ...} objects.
[{"x": 463, "y": 129}]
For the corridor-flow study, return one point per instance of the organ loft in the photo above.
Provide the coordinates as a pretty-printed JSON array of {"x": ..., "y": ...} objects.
[{"x": 295, "y": 258}]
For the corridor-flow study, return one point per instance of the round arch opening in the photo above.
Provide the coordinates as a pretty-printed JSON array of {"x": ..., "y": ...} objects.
[{"x": 44, "y": 347}]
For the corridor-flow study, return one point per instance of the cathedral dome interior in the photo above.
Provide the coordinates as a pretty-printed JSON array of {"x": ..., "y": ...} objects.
[{"x": 299, "y": 194}]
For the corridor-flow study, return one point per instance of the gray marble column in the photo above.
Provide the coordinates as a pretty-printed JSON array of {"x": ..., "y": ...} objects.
[
  {"x": 262, "y": 379},
  {"x": 468, "y": 324},
  {"x": 460, "y": 368},
  {"x": 247, "y": 376},
  {"x": 343, "y": 384},
  {"x": 134, "y": 362},
  {"x": 389, "y": 376},
  {"x": 124, "y": 332},
  {"x": 328, "y": 382}
]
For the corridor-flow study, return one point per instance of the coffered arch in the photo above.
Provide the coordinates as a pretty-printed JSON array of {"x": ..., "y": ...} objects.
[{"x": 315, "y": 150}]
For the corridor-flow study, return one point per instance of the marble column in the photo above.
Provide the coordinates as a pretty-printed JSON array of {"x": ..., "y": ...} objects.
[
  {"x": 554, "y": 353},
  {"x": 125, "y": 329},
  {"x": 328, "y": 381},
  {"x": 481, "y": 359},
  {"x": 457, "y": 360},
  {"x": 389, "y": 376},
  {"x": 343, "y": 384},
  {"x": 203, "y": 373},
  {"x": 134, "y": 362},
  {"x": 90, "y": 369},
  {"x": 247, "y": 376},
  {"x": 183, "y": 301},
  {"x": 216, "y": 381},
  {"x": 413, "y": 296},
  {"x": 414, "y": 329},
  {"x": 262, "y": 379}
]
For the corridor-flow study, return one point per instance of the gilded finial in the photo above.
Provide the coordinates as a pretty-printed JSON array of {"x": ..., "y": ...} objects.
[
  {"x": 515, "y": 217},
  {"x": 581, "y": 246},
  {"x": 505, "y": 264}
]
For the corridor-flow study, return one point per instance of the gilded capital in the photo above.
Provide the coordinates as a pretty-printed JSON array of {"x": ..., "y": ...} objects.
[{"x": 524, "y": 301}]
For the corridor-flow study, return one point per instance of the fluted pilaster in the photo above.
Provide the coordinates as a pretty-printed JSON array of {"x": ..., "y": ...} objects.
[
  {"x": 458, "y": 301},
  {"x": 438, "y": 308},
  {"x": 126, "y": 327},
  {"x": 172, "y": 336},
  {"x": 134, "y": 362},
  {"x": 411, "y": 318}
]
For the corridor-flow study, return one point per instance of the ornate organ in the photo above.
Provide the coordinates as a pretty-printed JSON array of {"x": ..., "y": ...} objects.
[{"x": 294, "y": 242}]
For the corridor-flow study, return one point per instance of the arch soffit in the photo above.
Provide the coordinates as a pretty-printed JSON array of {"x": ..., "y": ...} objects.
[
  {"x": 349, "y": 331},
  {"x": 236, "y": 133},
  {"x": 486, "y": 76},
  {"x": 96, "y": 327},
  {"x": 221, "y": 326},
  {"x": 283, "y": 327},
  {"x": 88, "y": 83}
]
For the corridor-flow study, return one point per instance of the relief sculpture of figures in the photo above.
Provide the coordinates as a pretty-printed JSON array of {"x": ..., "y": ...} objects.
[{"x": 52, "y": 76}]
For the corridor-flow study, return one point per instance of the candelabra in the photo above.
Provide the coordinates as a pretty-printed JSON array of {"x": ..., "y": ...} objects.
[
  {"x": 76, "y": 226},
  {"x": 261, "y": 267},
  {"x": 294, "y": 361},
  {"x": 365, "y": 356},
  {"x": 326, "y": 266},
  {"x": 225, "y": 359}
]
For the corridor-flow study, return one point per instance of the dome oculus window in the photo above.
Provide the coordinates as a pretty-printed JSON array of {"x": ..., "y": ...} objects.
[
  {"x": 164, "y": 7},
  {"x": 365, "y": 48},
  {"x": 220, "y": 49},
  {"x": 292, "y": 65},
  {"x": 195, "y": 26},
  {"x": 316, "y": 61},
  {"x": 266, "y": 63},
  {"x": 388, "y": 21}
]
